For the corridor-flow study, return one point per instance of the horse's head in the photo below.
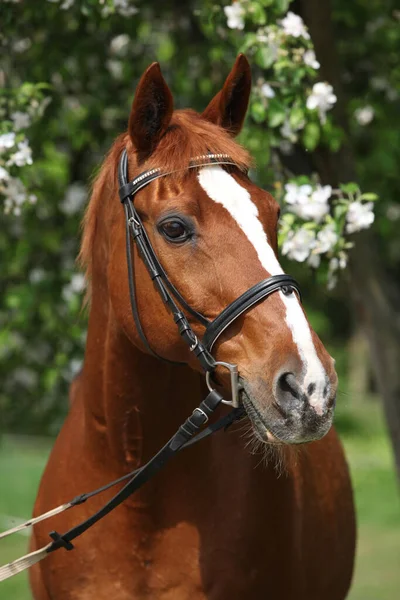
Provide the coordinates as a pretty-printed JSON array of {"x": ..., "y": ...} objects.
[{"x": 215, "y": 233}]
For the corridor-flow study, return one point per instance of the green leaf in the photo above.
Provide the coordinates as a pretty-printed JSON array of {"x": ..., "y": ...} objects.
[
  {"x": 296, "y": 117},
  {"x": 276, "y": 113},
  {"x": 350, "y": 188},
  {"x": 258, "y": 111},
  {"x": 370, "y": 196},
  {"x": 311, "y": 136},
  {"x": 264, "y": 57}
]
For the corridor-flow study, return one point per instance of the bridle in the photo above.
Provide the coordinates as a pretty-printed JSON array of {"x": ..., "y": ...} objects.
[
  {"x": 169, "y": 293},
  {"x": 189, "y": 432}
]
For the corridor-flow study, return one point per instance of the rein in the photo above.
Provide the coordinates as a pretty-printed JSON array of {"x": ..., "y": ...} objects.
[{"x": 189, "y": 432}]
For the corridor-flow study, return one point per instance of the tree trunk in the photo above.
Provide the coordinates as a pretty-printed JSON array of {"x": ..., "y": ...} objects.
[{"x": 375, "y": 295}]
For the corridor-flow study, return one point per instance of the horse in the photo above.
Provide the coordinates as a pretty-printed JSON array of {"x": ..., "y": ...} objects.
[{"x": 218, "y": 522}]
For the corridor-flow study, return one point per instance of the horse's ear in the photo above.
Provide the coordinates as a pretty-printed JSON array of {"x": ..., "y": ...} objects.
[
  {"x": 228, "y": 108},
  {"x": 151, "y": 111}
]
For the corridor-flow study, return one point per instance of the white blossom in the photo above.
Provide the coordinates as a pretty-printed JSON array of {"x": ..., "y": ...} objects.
[
  {"x": 294, "y": 25},
  {"x": 314, "y": 260},
  {"x": 23, "y": 156},
  {"x": 75, "y": 366},
  {"x": 74, "y": 199},
  {"x": 65, "y": 4},
  {"x": 119, "y": 44},
  {"x": 286, "y": 147},
  {"x": 322, "y": 99},
  {"x": 298, "y": 245},
  {"x": 125, "y": 8},
  {"x": 37, "y": 275},
  {"x": 20, "y": 46},
  {"x": 7, "y": 141},
  {"x": 21, "y": 120},
  {"x": 287, "y": 132},
  {"x": 25, "y": 377},
  {"x": 15, "y": 195},
  {"x": 76, "y": 285},
  {"x": 270, "y": 37},
  {"x": 297, "y": 194},
  {"x": 393, "y": 212},
  {"x": 327, "y": 239},
  {"x": 267, "y": 91},
  {"x": 364, "y": 115},
  {"x": 310, "y": 59},
  {"x": 359, "y": 216},
  {"x": 4, "y": 174},
  {"x": 235, "y": 15},
  {"x": 115, "y": 68},
  {"x": 332, "y": 280},
  {"x": 308, "y": 203}
]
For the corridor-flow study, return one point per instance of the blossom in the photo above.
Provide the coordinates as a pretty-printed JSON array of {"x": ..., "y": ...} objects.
[
  {"x": 119, "y": 44},
  {"x": 322, "y": 99},
  {"x": 359, "y": 216},
  {"x": 37, "y": 275},
  {"x": 125, "y": 8},
  {"x": 294, "y": 25},
  {"x": 310, "y": 59},
  {"x": 299, "y": 244},
  {"x": 364, "y": 115},
  {"x": 267, "y": 91},
  {"x": 327, "y": 239},
  {"x": 23, "y": 156},
  {"x": 297, "y": 194},
  {"x": 235, "y": 16},
  {"x": 7, "y": 140},
  {"x": 287, "y": 132},
  {"x": 21, "y": 120},
  {"x": 308, "y": 203},
  {"x": 15, "y": 195},
  {"x": 115, "y": 68},
  {"x": 75, "y": 286},
  {"x": 4, "y": 174},
  {"x": 74, "y": 199},
  {"x": 314, "y": 260},
  {"x": 269, "y": 36}
]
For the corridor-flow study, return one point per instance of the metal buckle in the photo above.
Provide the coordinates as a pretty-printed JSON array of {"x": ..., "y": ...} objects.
[
  {"x": 199, "y": 410},
  {"x": 233, "y": 370},
  {"x": 195, "y": 343}
]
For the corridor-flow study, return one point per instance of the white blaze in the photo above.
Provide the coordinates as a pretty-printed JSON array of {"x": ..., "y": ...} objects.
[{"x": 224, "y": 189}]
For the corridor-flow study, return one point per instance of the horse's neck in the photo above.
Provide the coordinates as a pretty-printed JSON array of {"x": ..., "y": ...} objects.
[{"x": 133, "y": 402}]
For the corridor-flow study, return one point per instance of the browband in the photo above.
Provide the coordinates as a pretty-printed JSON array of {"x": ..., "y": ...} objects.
[{"x": 129, "y": 189}]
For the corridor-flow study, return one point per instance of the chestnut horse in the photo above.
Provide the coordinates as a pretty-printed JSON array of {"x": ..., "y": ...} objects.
[{"x": 215, "y": 524}]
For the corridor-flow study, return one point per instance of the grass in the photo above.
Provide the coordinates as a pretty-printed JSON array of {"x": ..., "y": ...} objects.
[{"x": 377, "y": 575}]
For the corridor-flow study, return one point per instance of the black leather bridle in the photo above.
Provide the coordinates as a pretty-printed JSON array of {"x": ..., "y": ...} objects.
[
  {"x": 168, "y": 292},
  {"x": 189, "y": 432}
]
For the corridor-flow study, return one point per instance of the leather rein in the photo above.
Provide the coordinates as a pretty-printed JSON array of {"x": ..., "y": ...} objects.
[{"x": 191, "y": 431}]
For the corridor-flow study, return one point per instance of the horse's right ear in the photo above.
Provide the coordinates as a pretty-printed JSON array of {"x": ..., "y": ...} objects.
[{"x": 151, "y": 111}]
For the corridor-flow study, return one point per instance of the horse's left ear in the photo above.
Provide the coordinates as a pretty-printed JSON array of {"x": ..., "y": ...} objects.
[{"x": 228, "y": 108}]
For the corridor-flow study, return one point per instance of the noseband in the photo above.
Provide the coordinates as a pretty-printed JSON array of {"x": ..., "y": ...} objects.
[{"x": 168, "y": 292}]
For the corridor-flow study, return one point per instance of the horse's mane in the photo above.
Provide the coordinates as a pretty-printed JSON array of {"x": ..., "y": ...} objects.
[{"x": 188, "y": 136}]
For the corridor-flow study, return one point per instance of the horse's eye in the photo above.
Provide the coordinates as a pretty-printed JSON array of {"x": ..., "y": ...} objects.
[{"x": 174, "y": 230}]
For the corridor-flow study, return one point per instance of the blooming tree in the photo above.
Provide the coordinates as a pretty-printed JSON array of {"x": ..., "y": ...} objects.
[
  {"x": 89, "y": 54},
  {"x": 290, "y": 106}
]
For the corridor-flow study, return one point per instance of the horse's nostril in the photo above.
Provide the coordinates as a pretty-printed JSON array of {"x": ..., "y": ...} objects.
[{"x": 287, "y": 384}]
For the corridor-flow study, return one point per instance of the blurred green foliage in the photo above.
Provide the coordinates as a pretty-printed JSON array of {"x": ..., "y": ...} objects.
[{"x": 92, "y": 65}]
